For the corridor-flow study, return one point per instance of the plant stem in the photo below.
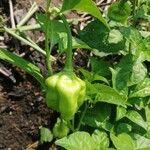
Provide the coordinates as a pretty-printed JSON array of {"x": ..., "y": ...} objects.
[
  {"x": 68, "y": 64},
  {"x": 70, "y": 126},
  {"x": 34, "y": 45},
  {"x": 23, "y": 28},
  {"x": 47, "y": 48},
  {"x": 82, "y": 116}
]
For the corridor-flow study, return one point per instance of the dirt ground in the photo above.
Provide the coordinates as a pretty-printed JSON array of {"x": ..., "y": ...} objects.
[{"x": 22, "y": 106}]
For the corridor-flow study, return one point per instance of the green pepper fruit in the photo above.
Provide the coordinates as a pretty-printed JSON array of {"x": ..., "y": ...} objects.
[
  {"x": 119, "y": 13},
  {"x": 65, "y": 93},
  {"x": 60, "y": 129}
]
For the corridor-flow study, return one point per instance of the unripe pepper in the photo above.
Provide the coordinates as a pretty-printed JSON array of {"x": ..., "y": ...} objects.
[{"x": 65, "y": 93}]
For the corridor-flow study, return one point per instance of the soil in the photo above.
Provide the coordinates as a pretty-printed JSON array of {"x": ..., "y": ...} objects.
[{"x": 22, "y": 107}]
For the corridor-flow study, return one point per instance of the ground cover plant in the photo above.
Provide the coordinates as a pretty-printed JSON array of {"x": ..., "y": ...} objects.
[{"x": 106, "y": 105}]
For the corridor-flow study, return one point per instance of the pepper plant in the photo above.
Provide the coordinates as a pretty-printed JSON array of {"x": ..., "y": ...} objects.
[{"x": 109, "y": 107}]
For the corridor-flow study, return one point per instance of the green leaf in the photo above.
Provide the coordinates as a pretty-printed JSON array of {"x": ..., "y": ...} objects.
[
  {"x": 98, "y": 36},
  {"x": 84, "y": 5},
  {"x": 123, "y": 72},
  {"x": 58, "y": 34},
  {"x": 77, "y": 43},
  {"x": 125, "y": 75},
  {"x": 139, "y": 102},
  {"x": 100, "y": 67},
  {"x": 135, "y": 117},
  {"x": 109, "y": 95},
  {"x": 46, "y": 135},
  {"x": 121, "y": 112},
  {"x": 77, "y": 141},
  {"x": 139, "y": 46},
  {"x": 101, "y": 139},
  {"x": 56, "y": 28},
  {"x": 98, "y": 116},
  {"x": 141, "y": 143},
  {"x": 142, "y": 89},
  {"x": 139, "y": 72},
  {"x": 147, "y": 113},
  {"x": 115, "y": 36},
  {"x": 122, "y": 141},
  {"x": 123, "y": 128},
  {"x": 90, "y": 76},
  {"x": 23, "y": 64},
  {"x": 141, "y": 12}
]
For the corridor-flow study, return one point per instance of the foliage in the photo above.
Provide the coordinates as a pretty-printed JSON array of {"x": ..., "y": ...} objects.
[{"x": 116, "y": 109}]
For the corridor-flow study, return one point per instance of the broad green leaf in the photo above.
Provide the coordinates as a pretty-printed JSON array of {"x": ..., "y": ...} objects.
[
  {"x": 90, "y": 76},
  {"x": 142, "y": 89},
  {"x": 109, "y": 95},
  {"x": 139, "y": 102},
  {"x": 135, "y": 117},
  {"x": 77, "y": 141},
  {"x": 77, "y": 43},
  {"x": 45, "y": 135},
  {"x": 139, "y": 46},
  {"x": 101, "y": 139},
  {"x": 139, "y": 72},
  {"x": 115, "y": 36},
  {"x": 123, "y": 128},
  {"x": 126, "y": 75},
  {"x": 122, "y": 141},
  {"x": 147, "y": 113},
  {"x": 98, "y": 36},
  {"x": 146, "y": 54},
  {"x": 141, "y": 12},
  {"x": 84, "y": 5},
  {"x": 120, "y": 78},
  {"x": 123, "y": 72},
  {"x": 98, "y": 116},
  {"x": 54, "y": 28},
  {"x": 142, "y": 143},
  {"x": 121, "y": 112},
  {"x": 132, "y": 35},
  {"x": 58, "y": 34},
  {"x": 91, "y": 91},
  {"x": 100, "y": 67},
  {"x": 23, "y": 64}
]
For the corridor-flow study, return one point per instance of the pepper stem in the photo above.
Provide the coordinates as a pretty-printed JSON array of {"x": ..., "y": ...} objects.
[
  {"x": 68, "y": 64},
  {"x": 47, "y": 48}
]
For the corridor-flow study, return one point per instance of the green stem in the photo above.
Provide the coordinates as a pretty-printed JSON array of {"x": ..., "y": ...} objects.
[
  {"x": 23, "y": 28},
  {"x": 82, "y": 116},
  {"x": 32, "y": 44},
  {"x": 70, "y": 126},
  {"x": 68, "y": 64},
  {"x": 73, "y": 122},
  {"x": 47, "y": 48},
  {"x": 28, "y": 27}
]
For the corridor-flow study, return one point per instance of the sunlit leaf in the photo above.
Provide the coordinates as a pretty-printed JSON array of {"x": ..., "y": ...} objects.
[
  {"x": 23, "y": 64},
  {"x": 122, "y": 141},
  {"x": 135, "y": 117},
  {"x": 83, "y": 5},
  {"x": 77, "y": 141}
]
